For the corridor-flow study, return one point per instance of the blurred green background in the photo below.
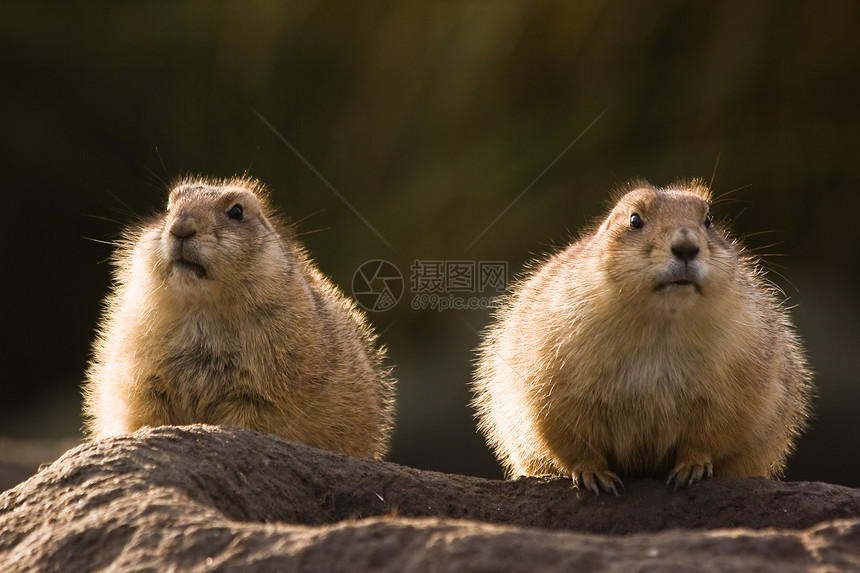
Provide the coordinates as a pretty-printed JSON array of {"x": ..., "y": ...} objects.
[{"x": 431, "y": 120}]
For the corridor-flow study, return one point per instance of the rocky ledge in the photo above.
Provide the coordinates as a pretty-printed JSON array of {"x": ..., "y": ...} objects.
[{"x": 200, "y": 498}]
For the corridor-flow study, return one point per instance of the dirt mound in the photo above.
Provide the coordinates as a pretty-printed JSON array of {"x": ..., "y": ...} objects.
[{"x": 200, "y": 496}]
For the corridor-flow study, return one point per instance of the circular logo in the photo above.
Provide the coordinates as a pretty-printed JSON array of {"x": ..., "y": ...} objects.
[{"x": 377, "y": 285}]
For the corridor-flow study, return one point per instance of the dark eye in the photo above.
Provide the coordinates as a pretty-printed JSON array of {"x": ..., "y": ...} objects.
[
  {"x": 235, "y": 212},
  {"x": 708, "y": 221},
  {"x": 636, "y": 221}
]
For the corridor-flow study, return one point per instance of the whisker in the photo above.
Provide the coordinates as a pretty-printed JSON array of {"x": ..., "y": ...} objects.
[
  {"x": 757, "y": 233},
  {"x": 101, "y": 218},
  {"x": 306, "y": 217},
  {"x": 731, "y": 191},
  {"x": 311, "y": 232},
  {"x": 714, "y": 172},
  {"x": 129, "y": 210},
  {"x": 163, "y": 166},
  {"x": 729, "y": 201},
  {"x": 757, "y": 248},
  {"x": 250, "y": 165},
  {"x": 111, "y": 243},
  {"x": 160, "y": 183}
]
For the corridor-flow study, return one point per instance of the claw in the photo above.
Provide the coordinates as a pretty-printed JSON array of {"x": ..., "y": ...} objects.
[
  {"x": 688, "y": 473},
  {"x": 595, "y": 481}
]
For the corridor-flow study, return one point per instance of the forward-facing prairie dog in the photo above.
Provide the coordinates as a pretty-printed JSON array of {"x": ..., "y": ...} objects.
[
  {"x": 650, "y": 346},
  {"x": 218, "y": 316}
]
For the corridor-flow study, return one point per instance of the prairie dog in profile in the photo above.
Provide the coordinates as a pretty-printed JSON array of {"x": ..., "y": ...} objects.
[
  {"x": 651, "y": 346},
  {"x": 218, "y": 316}
]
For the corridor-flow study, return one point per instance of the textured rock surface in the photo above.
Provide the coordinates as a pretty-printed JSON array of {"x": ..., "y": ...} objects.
[{"x": 196, "y": 497}]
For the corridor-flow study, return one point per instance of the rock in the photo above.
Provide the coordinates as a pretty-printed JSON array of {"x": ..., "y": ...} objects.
[{"x": 198, "y": 497}]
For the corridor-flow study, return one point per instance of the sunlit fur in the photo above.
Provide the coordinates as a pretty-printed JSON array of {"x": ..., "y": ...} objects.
[
  {"x": 597, "y": 365},
  {"x": 234, "y": 325}
]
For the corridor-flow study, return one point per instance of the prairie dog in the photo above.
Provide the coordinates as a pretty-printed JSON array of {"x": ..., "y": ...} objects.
[
  {"x": 218, "y": 316},
  {"x": 651, "y": 346}
]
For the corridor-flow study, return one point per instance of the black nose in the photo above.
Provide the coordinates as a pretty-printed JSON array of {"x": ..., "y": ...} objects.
[
  {"x": 685, "y": 251},
  {"x": 685, "y": 246},
  {"x": 183, "y": 227}
]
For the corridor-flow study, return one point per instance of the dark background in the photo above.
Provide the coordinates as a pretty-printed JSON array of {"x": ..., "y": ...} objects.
[{"x": 430, "y": 120}]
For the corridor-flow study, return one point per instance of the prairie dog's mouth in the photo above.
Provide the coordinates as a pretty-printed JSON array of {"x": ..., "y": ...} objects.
[
  {"x": 678, "y": 277},
  {"x": 187, "y": 266},
  {"x": 679, "y": 283}
]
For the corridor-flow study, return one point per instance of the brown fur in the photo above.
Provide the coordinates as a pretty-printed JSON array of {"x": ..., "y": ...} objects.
[
  {"x": 223, "y": 321},
  {"x": 602, "y": 364}
]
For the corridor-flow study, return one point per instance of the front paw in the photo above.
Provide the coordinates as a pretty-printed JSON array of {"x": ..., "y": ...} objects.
[
  {"x": 595, "y": 480},
  {"x": 687, "y": 473}
]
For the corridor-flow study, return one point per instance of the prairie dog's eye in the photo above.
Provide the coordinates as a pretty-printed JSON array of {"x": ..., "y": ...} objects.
[
  {"x": 708, "y": 221},
  {"x": 636, "y": 221},
  {"x": 235, "y": 212}
]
